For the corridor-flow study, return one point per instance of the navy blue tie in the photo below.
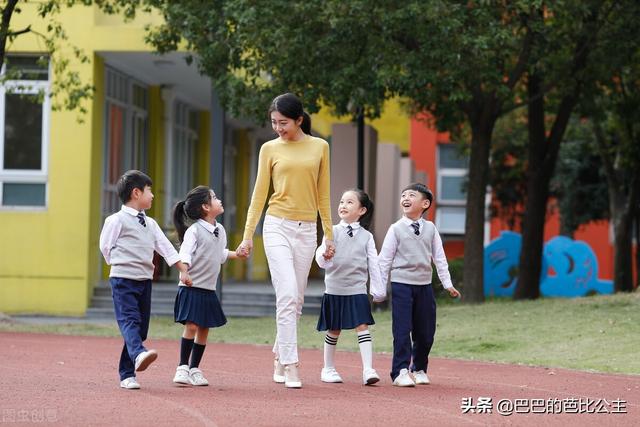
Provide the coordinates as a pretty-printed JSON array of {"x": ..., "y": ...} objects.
[
  {"x": 141, "y": 219},
  {"x": 416, "y": 228},
  {"x": 215, "y": 232},
  {"x": 350, "y": 230}
]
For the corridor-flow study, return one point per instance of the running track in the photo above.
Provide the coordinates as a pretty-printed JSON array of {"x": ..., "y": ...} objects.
[{"x": 72, "y": 381}]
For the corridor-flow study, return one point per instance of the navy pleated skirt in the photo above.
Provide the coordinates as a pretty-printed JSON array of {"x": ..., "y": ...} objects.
[
  {"x": 339, "y": 312},
  {"x": 199, "y": 306}
]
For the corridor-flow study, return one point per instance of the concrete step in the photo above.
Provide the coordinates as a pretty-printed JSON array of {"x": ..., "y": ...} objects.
[{"x": 238, "y": 299}]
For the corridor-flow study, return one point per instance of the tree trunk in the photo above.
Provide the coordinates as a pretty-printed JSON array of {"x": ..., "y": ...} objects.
[
  {"x": 622, "y": 257},
  {"x": 623, "y": 205},
  {"x": 473, "y": 272},
  {"x": 543, "y": 155},
  {"x": 637, "y": 227},
  {"x": 7, "y": 12},
  {"x": 536, "y": 199},
  {"x": 623, "y": 200}
]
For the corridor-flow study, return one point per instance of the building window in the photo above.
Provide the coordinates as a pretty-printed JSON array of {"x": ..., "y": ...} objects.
[
  {"x": 450, "y": 196},
  {"x": 25, "y": 110},
  {"x": 127, "y": 133},
  {"x": 185, "y": 142}
]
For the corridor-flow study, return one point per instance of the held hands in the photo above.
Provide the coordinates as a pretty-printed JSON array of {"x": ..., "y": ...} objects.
[
  {"x": 244, "y": 249},
  {"x": 184, "y": 273},
  {"x": 330, "y": 249},
  {"x": 185, "y": 278},
  {"x": 454, "y": 293}
]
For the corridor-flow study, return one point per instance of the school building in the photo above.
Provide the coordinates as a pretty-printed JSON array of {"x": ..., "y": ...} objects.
[
  {"x": 149, "y": 112},
  {"x": 158, "y": 114}
]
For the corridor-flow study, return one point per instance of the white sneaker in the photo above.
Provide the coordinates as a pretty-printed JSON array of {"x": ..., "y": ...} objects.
[
  {"x": 330, "y": 375},
  {"x": 421, "y": 377},
  {"x": 144, "y": 359},
  {"x": 404, "y": 379},
  {"x": 291, "y": 376},
  {"x": 370, "y": 377},
  {"x": 278, "y": 372},
  {"x": 130, "y": 383},
  {"x": 196, "y": 377},
  {"x": 182, "y": 375}
]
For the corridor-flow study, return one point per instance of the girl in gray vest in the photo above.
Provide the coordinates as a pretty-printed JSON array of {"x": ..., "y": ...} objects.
[
  {"x": 345, "y": 304},
  {"x": 204, "y": 248},
  {"x": 409, "y": 247}
]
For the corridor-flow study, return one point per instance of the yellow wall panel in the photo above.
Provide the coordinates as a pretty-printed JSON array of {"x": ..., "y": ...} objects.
[
  {"x": 393, "y": 127},
  {"x": 28, "y": 294}
]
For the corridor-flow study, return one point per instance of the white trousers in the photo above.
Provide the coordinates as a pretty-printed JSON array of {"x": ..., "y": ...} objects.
[{"x": 290, "y": 247}]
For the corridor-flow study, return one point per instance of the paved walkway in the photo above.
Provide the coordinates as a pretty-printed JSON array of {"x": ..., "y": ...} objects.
[{"x": 72, "y": 381}]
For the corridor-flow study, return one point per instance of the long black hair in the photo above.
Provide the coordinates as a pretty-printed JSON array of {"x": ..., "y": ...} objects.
[
  {"x": 365, "y": 202},
  {"x": 290, "y": 106},
  {"x": 191, "y": 208}
]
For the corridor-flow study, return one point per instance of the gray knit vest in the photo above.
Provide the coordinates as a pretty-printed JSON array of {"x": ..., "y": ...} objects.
[
  {"x": 207, "y": 258},
  {"x": 132, "y": 255},
  {"x": 350, "y": 270},
  {"x": 412, "y": 262}
]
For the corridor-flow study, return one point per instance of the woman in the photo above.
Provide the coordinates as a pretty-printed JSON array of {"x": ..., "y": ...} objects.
[{"x": 297, "y": 164}]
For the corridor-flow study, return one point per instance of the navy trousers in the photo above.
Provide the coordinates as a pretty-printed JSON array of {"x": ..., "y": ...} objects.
[
  {"x": 132, "y": 304},
  {"x": 413, "y": 314}
]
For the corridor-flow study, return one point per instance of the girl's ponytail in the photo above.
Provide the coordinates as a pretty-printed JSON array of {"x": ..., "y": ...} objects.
[
  {"x": 365, "y": 220},
  {"x": 190, "y": 208},
  {"x": 179, "y": 219}
]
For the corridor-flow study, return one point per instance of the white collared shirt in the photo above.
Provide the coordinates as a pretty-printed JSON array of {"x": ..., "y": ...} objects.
[
  {"x": 113, "y": 226},
  {"x": 377, "y": 288},
  {"x": 355, "y": 226},
  {"x": 409, "y": 221},
  {"x": 390, "y": 245},
  {"x": 190, "y": 242}
]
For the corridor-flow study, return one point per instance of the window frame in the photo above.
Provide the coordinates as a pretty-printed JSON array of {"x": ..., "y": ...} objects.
[
  {"x": 444, "y": 203},
  {"x": 119, "y": 92},
  {"x": 26, "y": 176},
  {"x": 183, "y": 140}
]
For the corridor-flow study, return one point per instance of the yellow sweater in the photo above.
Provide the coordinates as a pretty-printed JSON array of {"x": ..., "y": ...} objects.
[{"x": 299, "y": 171}]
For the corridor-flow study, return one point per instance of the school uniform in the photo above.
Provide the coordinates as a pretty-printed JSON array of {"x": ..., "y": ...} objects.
[
  {"x": 204, "y": 250},
  {"x": 127, "y": 242},
  {"x": 406, "y": 255},
  {"x": 345, "y": 304}
]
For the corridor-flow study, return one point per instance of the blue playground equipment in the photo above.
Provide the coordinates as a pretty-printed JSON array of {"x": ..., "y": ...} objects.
[{"x": 573, "y": 263}]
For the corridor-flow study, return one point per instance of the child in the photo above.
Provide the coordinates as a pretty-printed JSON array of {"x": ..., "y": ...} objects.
[
  {"x": 127, "y": 242},
  {"x": 203, "y": 249},
  {"x": 345, "y": 304},
  {"x": 407, "y": 251}
]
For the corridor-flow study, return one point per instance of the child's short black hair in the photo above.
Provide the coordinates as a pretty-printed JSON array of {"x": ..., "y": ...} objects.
[
  {"x": 421, "y": 188},
  {"x": 129, "y": 180}
]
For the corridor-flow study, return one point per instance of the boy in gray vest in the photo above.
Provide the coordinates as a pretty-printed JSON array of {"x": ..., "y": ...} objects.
[
  {"x": 409, "y": 247},
  {"x": 127, "y": 242}
]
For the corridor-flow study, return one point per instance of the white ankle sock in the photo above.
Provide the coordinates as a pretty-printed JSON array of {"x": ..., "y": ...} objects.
[
  {"x": 330, "y": 342},
  {"x": 366, "y": 349}
]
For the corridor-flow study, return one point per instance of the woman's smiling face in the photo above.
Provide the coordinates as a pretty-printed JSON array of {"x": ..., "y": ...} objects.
[{"x": 286, "y": 128}]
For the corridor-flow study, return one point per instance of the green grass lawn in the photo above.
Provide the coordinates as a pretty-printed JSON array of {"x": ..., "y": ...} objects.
[{"x": 600, "y": 333}]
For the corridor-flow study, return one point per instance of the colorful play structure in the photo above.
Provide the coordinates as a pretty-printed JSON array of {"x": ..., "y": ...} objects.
[{"x": 569, "y": 268}]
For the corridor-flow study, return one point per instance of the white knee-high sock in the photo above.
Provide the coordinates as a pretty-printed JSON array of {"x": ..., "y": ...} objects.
[
  {"x": 366, "y": 349},
  {"x": 330, "y": 342}
]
